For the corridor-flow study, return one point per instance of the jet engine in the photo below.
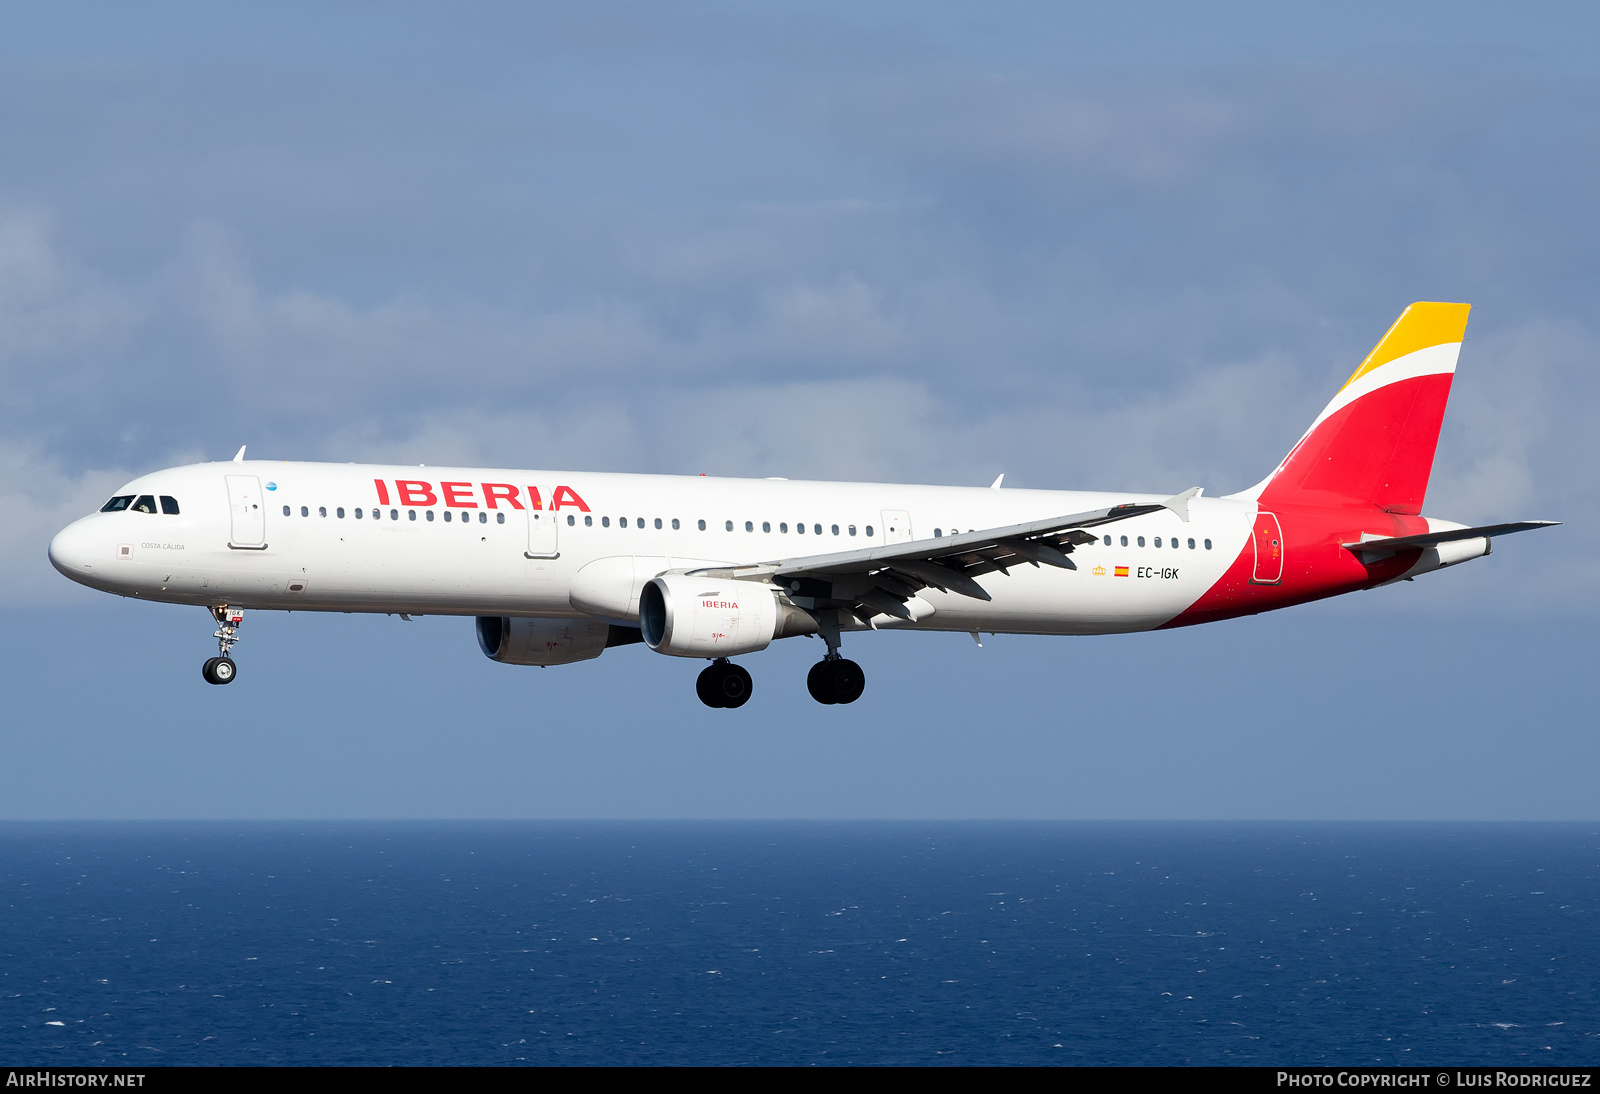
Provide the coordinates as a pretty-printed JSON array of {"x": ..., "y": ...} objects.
[
  {"x": 517, "y": 641},
  {"x": 687, "y": 616}
]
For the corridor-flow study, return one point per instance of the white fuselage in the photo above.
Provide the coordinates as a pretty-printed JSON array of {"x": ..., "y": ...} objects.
[{"x": 469, "y": 541}]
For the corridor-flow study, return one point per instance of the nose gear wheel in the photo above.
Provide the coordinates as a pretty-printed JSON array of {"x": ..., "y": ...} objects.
[{"x": 222, "y": 670}]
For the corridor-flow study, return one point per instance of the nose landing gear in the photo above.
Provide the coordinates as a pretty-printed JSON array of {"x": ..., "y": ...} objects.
[
  {"x": 222, "y": 670},
  {"x": 724, "y": 684}
]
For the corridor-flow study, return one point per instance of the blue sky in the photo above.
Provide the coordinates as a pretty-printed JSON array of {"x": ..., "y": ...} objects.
[{"x": 1130, "y": 248}]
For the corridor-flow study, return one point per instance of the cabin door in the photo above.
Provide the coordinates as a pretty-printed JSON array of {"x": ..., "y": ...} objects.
[
  {"x": 248, "y": 530},
  {"x": 1269, "y": 550}
]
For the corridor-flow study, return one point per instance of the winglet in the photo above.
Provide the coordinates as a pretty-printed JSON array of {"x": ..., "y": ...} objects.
[
  {"x": 1179, "y": 503},
  {"x": 238, "y": 457},
  {"x": 995, "y": 485}
]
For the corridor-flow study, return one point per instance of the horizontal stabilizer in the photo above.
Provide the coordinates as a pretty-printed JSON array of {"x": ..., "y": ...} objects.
[{"x": 1433, "y": 539}]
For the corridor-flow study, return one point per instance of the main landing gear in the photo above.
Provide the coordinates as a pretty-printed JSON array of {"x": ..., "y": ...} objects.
[
  {"x": 832, "y": 681},
  {"x": 724, "y": 684},
  {"x": 222, "y": 670},
  {"x": 836, "y": 679}
]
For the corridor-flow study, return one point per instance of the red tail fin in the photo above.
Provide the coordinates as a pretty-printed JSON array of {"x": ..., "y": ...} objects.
[{"x": 1374, "y": 444}]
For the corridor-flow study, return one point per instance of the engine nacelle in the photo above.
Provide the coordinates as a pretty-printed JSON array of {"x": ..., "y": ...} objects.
[
  {"x": 687, "y": 616},
  {"x": 518, "y": 641}
]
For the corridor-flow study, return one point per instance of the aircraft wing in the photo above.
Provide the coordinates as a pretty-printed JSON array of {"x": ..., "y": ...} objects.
[{"x": 880, "y": 580}]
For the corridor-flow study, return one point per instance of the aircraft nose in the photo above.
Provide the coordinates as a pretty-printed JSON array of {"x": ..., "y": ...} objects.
[{"x": 72, "y": 551}]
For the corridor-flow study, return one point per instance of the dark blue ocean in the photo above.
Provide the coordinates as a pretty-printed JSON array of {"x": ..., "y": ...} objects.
[{"x": 798, "y": 943}]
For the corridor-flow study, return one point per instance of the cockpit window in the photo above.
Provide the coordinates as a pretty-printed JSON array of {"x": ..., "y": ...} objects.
[
  {"x": 169, "y": 505},
  {"x": 117, "y": 504},
  {"x": 145, "y": 504}
]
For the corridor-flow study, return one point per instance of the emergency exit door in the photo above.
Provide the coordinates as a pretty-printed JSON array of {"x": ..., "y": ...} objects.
[
  {"x": 543, "y": 529},
  {"x": 896, "y": 526}
]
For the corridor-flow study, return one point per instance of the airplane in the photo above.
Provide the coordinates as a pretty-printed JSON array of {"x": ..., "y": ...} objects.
[{"x": 556, "y": 566}]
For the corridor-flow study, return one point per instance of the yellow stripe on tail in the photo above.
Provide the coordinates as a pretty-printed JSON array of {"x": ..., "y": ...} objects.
[{"x": 1420, "y": 326}]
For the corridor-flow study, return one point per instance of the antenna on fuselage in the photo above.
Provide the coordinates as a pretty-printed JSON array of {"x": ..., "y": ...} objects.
[{"x": 238, "y": 457}]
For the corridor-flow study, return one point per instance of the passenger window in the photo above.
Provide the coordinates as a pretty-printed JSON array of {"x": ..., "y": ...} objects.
[
  {"x": 702, "y": 525},
  {"x": 169, "y": 505},
  {"x": 571, "y": 520},
  {"x": 322, "y": 510},
  {"x": 429, "y": 514},
  {"x": 605, "y": 522},
  {"x": 783, "y": 526},
  {"x": 358, "y": 514},
  {"x": 483, "y": 518},
  {"x": 499, "y": 518},
  {"x": 394, "y": 514},
  {"x": 800, "y": 529},
  {"x": 447, "y": 516},
  {"x": 852, "y": 529},
  {"x": 588, "y": 522},
  {"x": 339, "y": 512},
  {"x": 766, "y": 526},
  {"x": 729, "y": 525},
  {"x": 411, "y": 514},
  {"x": 658, "y": 522},
  {"x": 1124, "y": 541},
  {"x": 1158, "y": 542},
  {"x": 304, "y": 512},
  {"x": 869, "y": 530},
  {"x": 674, "y": 524},
  {"x": 1191, "y": 545},
  {"x": 835, "y": 529},
  {"x": 816, "y": 529},
  {"x": 1208, "y": 545},
  {"x": 1174, "y": 543},
  {"x": 749, "y": 526},
  {"x": 1141, "y": 541},
  {"x": 1108, "y": 541},
  {"x": 938, "y": 533},
  {"x": 285, "y": 510},
  {"x": 117, "y": 504}
]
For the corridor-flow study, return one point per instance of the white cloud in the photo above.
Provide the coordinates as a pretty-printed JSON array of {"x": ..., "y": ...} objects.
[
  {"x": 939, "y": 273},
  {"x": 39, "y": 498}
]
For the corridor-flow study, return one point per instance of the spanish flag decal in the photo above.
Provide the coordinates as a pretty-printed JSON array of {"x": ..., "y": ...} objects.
[{"x": 1121, "y": 571}]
